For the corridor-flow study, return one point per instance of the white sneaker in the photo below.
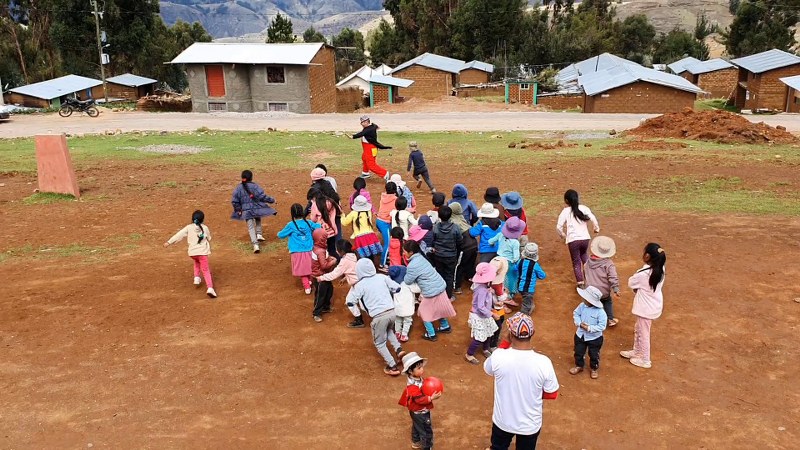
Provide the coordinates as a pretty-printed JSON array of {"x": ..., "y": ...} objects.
[
  {"x": 364, "y": 175},
  {"x": 260, "y": 238},
  {"x": 256, "y": 248},
  {"x": 211, "y": 293},
  {"x": 627, "y": 354},
  {"x": 308, "y": 291},
  {"x": 639, "y": 362},
  {"x": 197, "y": 281}
]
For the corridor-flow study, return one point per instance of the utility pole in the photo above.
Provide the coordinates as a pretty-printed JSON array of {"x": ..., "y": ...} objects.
[{"x": 100, "y": 50}]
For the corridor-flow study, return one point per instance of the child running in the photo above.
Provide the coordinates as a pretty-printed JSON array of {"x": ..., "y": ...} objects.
[
  {"x": 373, "y": 292},
  {"x": 347, "y": 269},
  {"x": 601, "y": 273},
  {"x": 299, "y": 231},
  {"x": 321, "y": 263},
  {"x": 198, "y": 236},
  {"x": 487, "y": 227},
  {"x": 366, "y": 243},
  {"x": 434, "y": 301},
  {"x": 574, "y": 217},
  {"x": 249, "y": 204},
  {"x": 396, "y": 255},
  {"x": 481, "y": 318},
  {"x": 529, "y": 272},
  {"x": 648, "y": 303},
  {"x": 403, "y": 304},
  {"x": 591, "y": 320},
  {"x": 419, "y": 405},
  {"x": 417, "y": 160}
]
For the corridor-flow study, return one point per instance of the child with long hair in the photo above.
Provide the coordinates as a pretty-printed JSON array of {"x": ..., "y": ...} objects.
[
  {"x": 401, "y": 216},
  {"x": 573, "y": 218},
  {"x": 396, "y": 255},
  {"x": 648, "y": 303},
  {"x": 365, "y": 242},
  {"x": 419, "y": 405},
  {"x": 347, "y": 269},
  {"x": 434, "y": 301},
  {"x": 360, "y": 188},
  {"x": 481, "y": 318},
  {"x": 250, "y": 204},
  {"x": 321, "y": 263},
  {"x": 384, "y": 219},
  {"x": 299, "y": 231},
  {"x": 198, "y": 236},
  {"x": 324, "y": 211}
]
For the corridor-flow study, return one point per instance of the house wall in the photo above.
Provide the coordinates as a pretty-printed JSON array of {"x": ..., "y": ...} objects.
[
  {"x": 294, "y": 92},
  {"x": 128, "y": 92},
  {"x": 640, "y": 97},
  {"x": 25, "y": 100},
  {"x": 380, "y": 94},
  {"x": 485, "y": 91},
  {"x": 766, "y": 89},
  {"x": 473, "y": 76},
  {"x": 792, "y": 102},
  {"x": 237, "y": 87},
  {"x": 562, "y": 102},
  {"x": 719, "y": 83},
  {"x": 428, "y": 83},
  {"x": 322, "y": 81},
  {"x": 517, "y": 95}
]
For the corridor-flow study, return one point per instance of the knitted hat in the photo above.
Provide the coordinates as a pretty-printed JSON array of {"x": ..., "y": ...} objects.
[
  {"x": 513, "y": 228},
  {"x": 317, "y": 174},
  {"x": 398, "y": 180},
  {"x": 488, "y": 211},
  {"x": 412, "y": 145},
  {"x": 603, "y": 247},
  {"x": 531, "y": 251},
  {"x": 411, "y": 359},
  {"x": 397, "y": 273},
  {"x": 364, "y": 119},
  {"x": 521, "y": 326},
  {"x": 416, "y": 233},
  {"x": 484, "y": 273},
  {"x": 360, "y": 204},
  {"x": 592, "y": 295},
  {"x": 511, "y": 200},
  {"x": 492, "y": 195}
]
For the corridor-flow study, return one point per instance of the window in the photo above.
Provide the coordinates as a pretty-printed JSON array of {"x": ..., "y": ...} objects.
[
  {"x": 215, "y": 81},
  {"x": 524, "y": 87},
  {"x": 217, "y": 106},
  {"x": 276, "y": 75},
  {"x": 278, "y": 107}
]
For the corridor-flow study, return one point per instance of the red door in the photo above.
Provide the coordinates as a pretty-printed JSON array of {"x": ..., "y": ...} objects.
[{"x": 215, "y": 80}]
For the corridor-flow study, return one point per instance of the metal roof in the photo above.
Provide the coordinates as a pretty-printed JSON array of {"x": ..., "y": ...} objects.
[
  {"x": 391, "y": 81},
  {"x": 766, "y": 61},
  {"x": 365, "y": 73},
  {"x": 57, "y": 87},
  {"x": 131, "y": 80},
  {"x": 597, "y": 63},
  {"x": 479, "y": 65},
  {"x": 711, "y": 65},
  {"x": 442, "y": 63},
  {"x": 243, "y": 53},
  {"x": 598, "y": 82},
  {"x": 679, "y": 66},
  {"x": 792, "y": 82}
]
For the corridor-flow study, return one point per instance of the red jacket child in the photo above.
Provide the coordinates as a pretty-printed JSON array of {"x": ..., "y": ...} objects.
[{"x": 321, "y": 263}]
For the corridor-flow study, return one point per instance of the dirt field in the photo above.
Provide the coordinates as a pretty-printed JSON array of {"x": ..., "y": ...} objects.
[{"x": 106, "y": 343}]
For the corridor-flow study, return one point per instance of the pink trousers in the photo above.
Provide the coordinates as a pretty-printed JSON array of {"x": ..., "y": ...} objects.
[
  {"x": 201, "y": 265},
  {"x": 641, "y": 338}
]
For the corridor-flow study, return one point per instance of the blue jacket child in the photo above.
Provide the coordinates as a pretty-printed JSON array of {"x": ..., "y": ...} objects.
[{"x": 529, "y": 272}]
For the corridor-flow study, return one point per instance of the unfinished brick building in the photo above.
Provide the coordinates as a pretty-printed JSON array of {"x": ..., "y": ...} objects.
[
  {"x": 716, "y": 77},
  {"x": 297, "y": 78},
  {"x": 759, "y": 85}
]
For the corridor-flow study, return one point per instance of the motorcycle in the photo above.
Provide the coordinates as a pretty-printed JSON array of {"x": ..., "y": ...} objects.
[{"x": 71, "y": 104}]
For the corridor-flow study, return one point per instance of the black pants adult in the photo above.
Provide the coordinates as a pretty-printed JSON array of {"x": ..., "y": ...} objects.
[
  {"x": 501, "y": 440},
  {"x": 322, "y": 297},
  {"x": 594, "y": 351},
  {"x": 466, "y": 268},
  {"x": 421, "y": 429},
  {"x": 446, "y": 267}
]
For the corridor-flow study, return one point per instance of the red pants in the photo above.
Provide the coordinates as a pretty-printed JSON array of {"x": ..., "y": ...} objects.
[
  {"x": 201, "y": 266},
  {"x": 368, "y": 161}
]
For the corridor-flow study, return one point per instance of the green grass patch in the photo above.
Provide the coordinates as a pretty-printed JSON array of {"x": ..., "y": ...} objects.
[
  {"x": 167, "y": 184},
  {"x": 46, "y": 198},
  {"x": 713, "y": 104}
]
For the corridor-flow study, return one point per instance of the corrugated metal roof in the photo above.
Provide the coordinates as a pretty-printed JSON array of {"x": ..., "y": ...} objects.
[
  {"x": 597, "y": 63},
  {"x": 242, "y": 53},
  {"x": 391, "y": 81},
  {"x": 365, "y": 73},
  {"x": 131, "y": 80},
  {"x": 479, "y": 65},
  {"x": 711, "y": 65},
  {"x": 792, "y": 82},
  {"x": 679, "y": 66},
  {"x": 57, "y": 87},
  {"x": 766, "y": 61},
  {"x": 442, "y": 63},
  {"x": 598, "y": 82},
  {"x": 383, "y": 69}
]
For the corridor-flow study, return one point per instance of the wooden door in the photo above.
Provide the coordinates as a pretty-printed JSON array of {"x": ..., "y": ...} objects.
[{"x": 215, "y": 81}]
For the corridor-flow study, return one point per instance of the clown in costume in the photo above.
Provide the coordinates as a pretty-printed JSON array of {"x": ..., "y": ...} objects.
[{"x": 370, "y": 146}]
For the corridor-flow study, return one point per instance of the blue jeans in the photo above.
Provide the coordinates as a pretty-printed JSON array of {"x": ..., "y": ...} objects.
[
  {"x": 443, "y": 323},
  {"x": 384, "y": 228}
]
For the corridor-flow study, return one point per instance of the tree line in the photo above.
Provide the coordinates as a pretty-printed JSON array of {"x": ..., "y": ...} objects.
[{"x": 44, "y": 39}]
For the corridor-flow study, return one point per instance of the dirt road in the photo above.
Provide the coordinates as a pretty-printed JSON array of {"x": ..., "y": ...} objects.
[{"x": 29, "y": 125}]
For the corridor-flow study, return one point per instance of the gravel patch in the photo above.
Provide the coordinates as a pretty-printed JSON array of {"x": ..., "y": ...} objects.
[{"x": 169, "y": 149}]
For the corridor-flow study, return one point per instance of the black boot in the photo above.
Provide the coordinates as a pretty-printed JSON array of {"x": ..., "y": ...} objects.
[{"x": 358, "y": 322}]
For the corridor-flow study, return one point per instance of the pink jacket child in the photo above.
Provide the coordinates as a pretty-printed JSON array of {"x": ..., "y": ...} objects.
[
  {"x": 648, "y": 303},
  {"x": 346, "y": 268},
  {"x": 360, "y": 188}
]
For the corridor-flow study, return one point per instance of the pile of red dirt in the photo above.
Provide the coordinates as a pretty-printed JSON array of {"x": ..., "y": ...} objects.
[
  {"x": 648, "y": 145},
  {"x": 715, "y": 126}
]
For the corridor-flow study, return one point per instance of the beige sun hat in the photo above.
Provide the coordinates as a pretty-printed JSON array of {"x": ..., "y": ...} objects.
[{"x": 603, "y": 247}]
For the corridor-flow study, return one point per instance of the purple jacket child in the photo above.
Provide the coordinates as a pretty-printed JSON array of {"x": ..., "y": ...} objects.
[{"x": 251, "y": 201}]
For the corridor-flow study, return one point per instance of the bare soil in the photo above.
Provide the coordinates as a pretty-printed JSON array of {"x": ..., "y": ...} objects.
[
  {"x": 449, "y": 104},
  {"x": 116, "y": 349},
  {"x": 648, "y": 145}
]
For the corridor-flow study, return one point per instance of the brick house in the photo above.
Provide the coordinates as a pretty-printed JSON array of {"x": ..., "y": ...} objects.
[
  {"x": 792, "y": 94},
  {"x": 435, "y": 76},
  {"x": 386, "y": 89},
  {"x": 636, "y": 89},
  {"x": 521, "y": 91},
  {"x": 717, "y": 77},
  {"x": 51, "y": 93},
  {"x": 298, "y": 78},
  {"x": 759, "y": 85},
  {"x": 130, "y": 87}
]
